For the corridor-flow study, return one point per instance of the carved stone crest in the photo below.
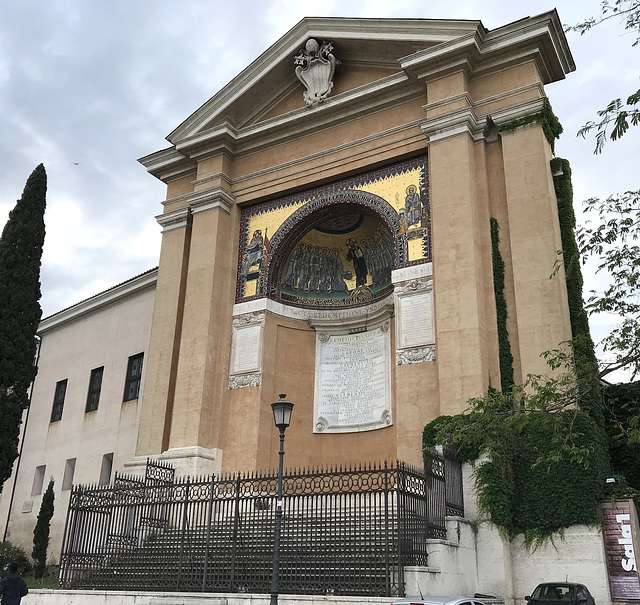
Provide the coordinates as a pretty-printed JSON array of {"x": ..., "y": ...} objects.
[{"x": 314, "y": 67}]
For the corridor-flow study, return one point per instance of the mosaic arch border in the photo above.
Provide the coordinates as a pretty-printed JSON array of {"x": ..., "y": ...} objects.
[{"x": 292, "y": 214}]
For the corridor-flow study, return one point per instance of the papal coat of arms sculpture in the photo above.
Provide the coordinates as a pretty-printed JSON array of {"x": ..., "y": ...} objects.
[{"x": 315, "y": 66}]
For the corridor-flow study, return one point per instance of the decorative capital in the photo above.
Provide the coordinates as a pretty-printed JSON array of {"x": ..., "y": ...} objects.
[{"x": 315, "y": 65}]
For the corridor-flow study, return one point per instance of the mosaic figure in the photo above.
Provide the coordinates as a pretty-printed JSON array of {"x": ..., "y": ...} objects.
[
  {"x": 315, "y": 270},
  {"x": 403, "y": 227},
  {"x": 337, "y": 272},
  {"x": 325, "y": 271},
  {"x": 412, "y": 206},
  {"x": 305, "y": 269},
  {"x": 253, "y": 254},
  {"x": 356, "y": 256},
  {"x": 295, "y": 265}
]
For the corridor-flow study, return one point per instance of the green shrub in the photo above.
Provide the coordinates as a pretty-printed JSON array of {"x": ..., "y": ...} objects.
[{"x": 10, "y": 553}]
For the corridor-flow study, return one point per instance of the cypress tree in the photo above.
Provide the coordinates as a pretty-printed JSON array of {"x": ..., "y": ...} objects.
[
  {"x": 41, "y": 532},
  {"x": 20, "y": 253}
]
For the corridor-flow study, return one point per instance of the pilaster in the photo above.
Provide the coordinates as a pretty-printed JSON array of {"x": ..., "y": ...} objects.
[
  {"x": 534, "y": 232},
  {"x": 162, "y": 356},
  {"x": 203, "y": 366},
  {"x": 459, "y": 232}
]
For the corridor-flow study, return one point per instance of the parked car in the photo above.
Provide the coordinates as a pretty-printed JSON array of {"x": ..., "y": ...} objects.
[
  {"x": 438, "y": 600},
  {"x": 567, "y": 592}
]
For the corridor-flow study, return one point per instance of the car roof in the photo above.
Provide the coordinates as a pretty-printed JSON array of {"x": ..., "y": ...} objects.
[{"x": 436, "y": 599}]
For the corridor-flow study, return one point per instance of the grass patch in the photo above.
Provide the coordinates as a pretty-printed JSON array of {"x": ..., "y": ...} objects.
[{"x": 35, "y": 584}]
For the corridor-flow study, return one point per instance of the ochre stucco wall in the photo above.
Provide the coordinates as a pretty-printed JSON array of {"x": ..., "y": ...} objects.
[{"x": 471, "y": 179}]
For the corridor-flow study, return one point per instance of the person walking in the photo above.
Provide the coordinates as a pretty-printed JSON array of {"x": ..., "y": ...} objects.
[{"x": 12, "y": 587}]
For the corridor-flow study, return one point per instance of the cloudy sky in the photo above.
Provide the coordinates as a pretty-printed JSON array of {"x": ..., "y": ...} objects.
[{"x": 87, "y": 87}]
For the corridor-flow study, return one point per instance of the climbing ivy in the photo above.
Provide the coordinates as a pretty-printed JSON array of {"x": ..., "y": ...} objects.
[
  {"x": 504, "y": 346},
  {"x": 545, "y": 117},
  {"x": 583, "y": 348},
  {"x": 537, "y": 472}
]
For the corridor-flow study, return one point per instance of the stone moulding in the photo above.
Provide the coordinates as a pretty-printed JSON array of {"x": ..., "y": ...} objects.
[
  {"x": 239, "y": 381},
  {"x": 416, "y": 355}
]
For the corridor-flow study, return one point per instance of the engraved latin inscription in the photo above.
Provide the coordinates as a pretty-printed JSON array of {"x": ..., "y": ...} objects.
[
  {"x": 246, "y": 350},
  {"x": 416, "y": 323},
  {"x": 352, "y": 382}
]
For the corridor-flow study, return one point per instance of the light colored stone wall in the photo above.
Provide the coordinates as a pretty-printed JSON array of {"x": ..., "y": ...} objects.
[
  {"x": 107, "y": 337},
  {"x": 98, "y": 597}
]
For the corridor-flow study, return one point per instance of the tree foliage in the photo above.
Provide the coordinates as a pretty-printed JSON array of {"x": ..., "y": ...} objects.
[
  {"x": 41, "y": 532},
  {"x": 614, "y": 239},
  {"x": 615, "y": 119},
  {"x": 20, "y": 253},
  {"x": 540, "y": 463}
]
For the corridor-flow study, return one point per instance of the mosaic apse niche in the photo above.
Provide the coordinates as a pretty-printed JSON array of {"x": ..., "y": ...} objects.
[{"x": 335, "y": 246}]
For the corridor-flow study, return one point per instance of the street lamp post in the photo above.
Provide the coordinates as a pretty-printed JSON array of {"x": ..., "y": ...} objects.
[{"x": 282, "y": 418}]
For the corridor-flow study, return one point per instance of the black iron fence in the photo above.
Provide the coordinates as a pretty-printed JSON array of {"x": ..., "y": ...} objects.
[{"x": 347, "y": 531}]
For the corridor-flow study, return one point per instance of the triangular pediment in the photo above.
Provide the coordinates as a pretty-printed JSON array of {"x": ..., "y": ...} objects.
[
  {"x": 383, "y": 63},
  {"x": 367, "y": 49}
]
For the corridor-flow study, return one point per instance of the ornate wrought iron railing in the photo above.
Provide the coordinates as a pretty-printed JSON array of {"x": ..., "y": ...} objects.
[{"x": 347, "y": 531}]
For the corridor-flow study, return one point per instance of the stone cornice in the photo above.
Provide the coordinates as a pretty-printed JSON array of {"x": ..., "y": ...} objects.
[
  {"x": 95, "y": 303},
  {"x": 515, "y": 112},
  {"x": 355, "y": 314},
  {"x": 217, "y": 197},
  {"x": 460, "y": 121},
  {"x": 168, "y": 164},
  {"x": 480, "y": 53},
  {"x": 176, "y": 219},
  {"x": 466, "y": 120}
]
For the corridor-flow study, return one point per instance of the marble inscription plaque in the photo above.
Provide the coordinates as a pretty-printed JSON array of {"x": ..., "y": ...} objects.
[
  {"x": 353, "y": 381},
  {"x": 416, "y": 323},
  {"x": 246, "y": 349}
]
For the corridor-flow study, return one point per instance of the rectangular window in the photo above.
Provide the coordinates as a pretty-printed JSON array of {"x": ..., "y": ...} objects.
[
  {"x": 105, "y": 469},
  {"x": 95, "y": 385},
  {"x": 134, "y": 374},
  {"x": 69, "y": 470},
  {"x": 38, "y": 480},
  {"x": 58, "y": 400}
]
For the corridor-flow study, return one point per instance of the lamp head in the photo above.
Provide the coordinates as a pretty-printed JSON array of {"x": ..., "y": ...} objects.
[{"x": 282, "y": 412}]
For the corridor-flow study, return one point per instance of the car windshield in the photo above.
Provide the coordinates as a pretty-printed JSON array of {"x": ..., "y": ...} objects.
[{"x": 552, "y": 592}]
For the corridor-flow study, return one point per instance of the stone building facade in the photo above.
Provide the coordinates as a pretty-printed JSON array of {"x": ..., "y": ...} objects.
[{"x": 325, "y": 234}]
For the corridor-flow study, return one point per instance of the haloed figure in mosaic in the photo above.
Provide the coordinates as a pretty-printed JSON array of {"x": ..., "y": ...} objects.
[
  {"x": 253, "y": 254},
  {"x": 379, "y": 256},
  {"x": 356, "y": 256},
  {"x": 412, "y": 206},
  {"x": 337, "y": 272},
  {"x": 315, "y": 269}
]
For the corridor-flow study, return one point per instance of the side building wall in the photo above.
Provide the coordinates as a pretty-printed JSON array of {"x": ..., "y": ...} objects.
[{"x": 82, "y": 447}]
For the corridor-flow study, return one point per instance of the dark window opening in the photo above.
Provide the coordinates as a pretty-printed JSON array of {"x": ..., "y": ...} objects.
[
  {"x": 58, "y": 400},
  {"x": 105, "y": 469},
  {"x": 95, "y": 385},
  {"x": 134, "y": 374}
]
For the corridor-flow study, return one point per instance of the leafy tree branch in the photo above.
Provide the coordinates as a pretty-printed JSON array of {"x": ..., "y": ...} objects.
[{"x": 618, "y": 116}]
